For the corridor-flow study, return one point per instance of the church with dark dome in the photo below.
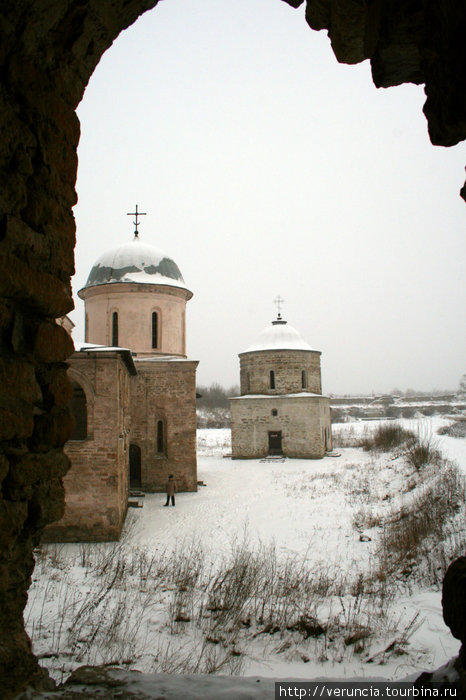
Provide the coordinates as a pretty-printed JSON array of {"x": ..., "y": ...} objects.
[
  {"x": 134, "y": 392},
  {"x": 135, "y": 297}
]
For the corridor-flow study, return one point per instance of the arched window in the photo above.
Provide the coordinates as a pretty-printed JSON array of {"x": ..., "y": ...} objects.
[
  {"x": 86, "y": 328},
  {"x": 155, "y": 330},
  {"x": 160, "y": 438},
  {"x": 134, "y": 466},
  {"x": 183, "y": 330},
  {"x": 272, "y": 379},
  {"x": 304, "y": 379},
  {"x": 248, "y": 381},
  {"x": 115, "y": 328},
  {"x": 79, "y": 411}
]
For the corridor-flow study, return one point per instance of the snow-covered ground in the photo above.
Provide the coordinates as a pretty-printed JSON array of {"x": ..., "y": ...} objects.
[{"x": 117, "y": 603}]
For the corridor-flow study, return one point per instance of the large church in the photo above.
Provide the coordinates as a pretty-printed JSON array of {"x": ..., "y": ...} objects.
[{"x": 134, "y": 392}]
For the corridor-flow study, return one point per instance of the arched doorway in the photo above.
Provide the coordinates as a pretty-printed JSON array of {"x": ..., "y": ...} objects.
[
  {"x": 46, "y": 81},
  {"x": 134, "y": 466},
  {"x": 79, "y": 411}
]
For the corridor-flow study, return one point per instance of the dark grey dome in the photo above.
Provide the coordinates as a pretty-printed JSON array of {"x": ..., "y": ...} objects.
[{"x": 135, "y": 262}]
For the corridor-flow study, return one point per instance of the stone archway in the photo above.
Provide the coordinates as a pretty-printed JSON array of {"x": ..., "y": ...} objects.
[
  {"x": 48, "y": 53},
  {"x": 134, "y": 466}
]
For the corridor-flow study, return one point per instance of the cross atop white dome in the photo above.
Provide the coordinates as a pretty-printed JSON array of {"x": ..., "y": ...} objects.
[{"x": 135, "y": 262}]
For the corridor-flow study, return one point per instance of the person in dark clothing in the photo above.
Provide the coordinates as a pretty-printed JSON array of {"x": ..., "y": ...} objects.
[{"x": 171, "y": 490}]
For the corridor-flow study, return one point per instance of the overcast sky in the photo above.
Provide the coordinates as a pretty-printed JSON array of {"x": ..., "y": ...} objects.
[{"x": 265, "y": 168}]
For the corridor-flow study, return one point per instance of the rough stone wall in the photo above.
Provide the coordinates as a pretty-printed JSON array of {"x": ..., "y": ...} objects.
[
  {"x": 48, "y": 51},
  {"x": 47, "y": 54},
  {"x": 287, "y": 366},
  {"x": 301, "y": 421},
  {"x": 417, "y": 42},
  {"x": 165, "y": 390},
  {"x": 134, "y": 304},
  {"x": 96, "y": 486}
]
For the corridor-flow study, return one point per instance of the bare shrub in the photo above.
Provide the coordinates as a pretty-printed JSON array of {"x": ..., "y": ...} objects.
[
  {"x": 410, "y": 533},
  {"x": 434, "y": 566},
  {"x": 186, "y": 564},
  {"x": 366, "y": 518},
  {"x": 421, "y": 449},
  {"x": 456, "y": 429},
  {"x": 202, "y": 657},
  {"x": 386, "y": 437},
  {"x": 232, "y": 587}
]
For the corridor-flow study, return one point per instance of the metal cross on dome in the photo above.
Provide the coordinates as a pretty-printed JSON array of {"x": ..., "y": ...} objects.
[
  {"x": 278, "y": 301},
  {"x": 136, "y": 222}
]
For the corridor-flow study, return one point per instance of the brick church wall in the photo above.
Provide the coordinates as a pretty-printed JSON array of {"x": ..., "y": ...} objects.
[
  {"x": 96, "y": 486},
  {"x": 134, "y": 304},
  {"x": 301, "y": 420},
  {"x": 287, "y": 366},
  {"x": 165, "y": 390}
]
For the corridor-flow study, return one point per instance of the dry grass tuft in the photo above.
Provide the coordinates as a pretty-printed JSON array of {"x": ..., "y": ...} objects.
[
  {"x": 386, "y": 437},
  {"x": 410, "y": 533},
  {"x": 456, "y": 429},
  {"x": 421, "y": 449}
]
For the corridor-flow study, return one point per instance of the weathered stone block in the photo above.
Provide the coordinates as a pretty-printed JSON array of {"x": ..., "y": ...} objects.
[
  {"x": 58, "y": 388},
  {"x": 52, "y": 429},
  {"x": 39, "y": 290},
  {"x": 52, "y": 343},
  {"x": 16, "y": 419},
  {"x": 12, "y": 519},
  {"x": 47, "y": 503},
  {"x": 17, "y": 379},
  {"x": 29, "y": 470}
]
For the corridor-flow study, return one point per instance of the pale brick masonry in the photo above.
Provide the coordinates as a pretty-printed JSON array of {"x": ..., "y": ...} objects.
[{"x": 281, "y": 409}]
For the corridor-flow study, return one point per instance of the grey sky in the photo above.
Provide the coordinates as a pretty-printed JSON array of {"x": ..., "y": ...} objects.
[{"x": 265, "y": 168}]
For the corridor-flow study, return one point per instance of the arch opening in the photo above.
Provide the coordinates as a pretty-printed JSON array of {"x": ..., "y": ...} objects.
[
  {"x": 35, "y": 209},
  {"x": 79, "y": 412},
  {"x": 155, "y": 330},
  {"x": 115, "y": 329},
  {"x": 160, "y": 438},
  {"x": 135, "y": 466}
]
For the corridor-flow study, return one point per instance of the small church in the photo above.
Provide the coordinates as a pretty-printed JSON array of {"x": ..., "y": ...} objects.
[
  {"x": 281, "y": 409},
  {"x": 134, "y": 391}
]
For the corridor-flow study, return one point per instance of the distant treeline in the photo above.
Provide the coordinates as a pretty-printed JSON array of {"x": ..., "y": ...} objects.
[{"x": 215, "y": 396}]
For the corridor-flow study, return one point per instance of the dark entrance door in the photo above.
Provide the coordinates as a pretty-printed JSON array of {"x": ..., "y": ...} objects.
[
  {"x": 134, "y": 467},
  {"x": 275, "y": 442}
]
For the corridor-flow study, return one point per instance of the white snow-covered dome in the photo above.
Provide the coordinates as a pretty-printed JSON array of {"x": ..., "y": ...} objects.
[
  {"x": 135, "y": 262},
  {"x": 279, "y": 335}
]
